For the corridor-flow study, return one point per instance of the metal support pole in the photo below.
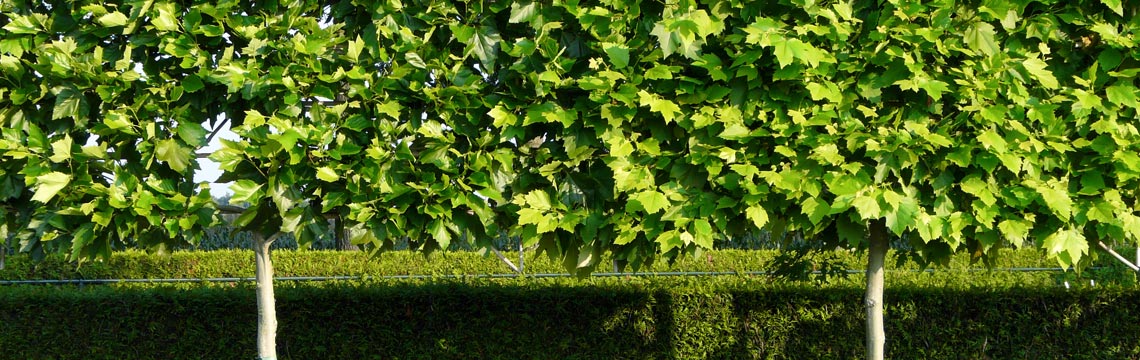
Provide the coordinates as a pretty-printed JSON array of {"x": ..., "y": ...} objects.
[{"x": 521, "y": 257}]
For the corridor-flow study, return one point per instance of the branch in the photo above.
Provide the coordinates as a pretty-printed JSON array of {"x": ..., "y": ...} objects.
[
  {"x": 1118, "y": 257},
  {"x": 505, "y": 260},
  {"x": 230, "y": 209},
  {"x": 216, "y": 130}
]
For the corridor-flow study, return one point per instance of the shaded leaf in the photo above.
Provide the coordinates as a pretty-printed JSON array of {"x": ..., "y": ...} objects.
[{"x": 485, "y": 45}]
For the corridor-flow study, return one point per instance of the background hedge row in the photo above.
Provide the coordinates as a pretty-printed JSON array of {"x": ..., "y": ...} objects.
[
  {"x": 956, "y": 311},
  {"x": 664, "y": 318},
  {"x": 236, "y": 263}
]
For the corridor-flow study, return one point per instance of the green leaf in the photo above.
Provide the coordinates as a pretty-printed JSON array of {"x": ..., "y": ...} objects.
[
  {"x": 651, "y": 201},
  {"x": 82, "y": 237},
  {"x": 828, "y": 91},
  {"x": 991, "y": 140},
  {"x": 903, "y": 215},
  {"x": 327, "y": 174},
  {"x": 246, "y": 191},
  {"x": 842, "y": 184},
  {"x": 440, "y": 233},
  {"x": 291, "y": 220},
  {"x": 192, "y": 83},
  {"x": 354, "y": 48},
  {"x": 1091, "y": 183},
  {"x": 757, "y": 214},
  {"x": 659, "y": 72},
  {"x": 334, "y": 199},
  {"x": 70, "y": 103},
  {"x": 1066, "y": 246},
  {"x": 867, "y": 207},
  {"x": 415, "y": 60},
  {"x": 1102, "y": 211},
  {"x": 929, "y": 227},
  {"x": 1057, "y": 199},
  {"x": 702, "y": 233},
  {"x": 192, "y": 133},
  {"x": 529, "y": 216},
  {"x": 1124, "y": 95},
  {"x": 485, "y": 45},
  {"x": 47, "y": 185},
  {"x": 1115, "y": 6},
  {"x": 665, "y": 107},
  {"x": 502, "y": 118},
  {"x": 1015, "y": 231},
  {"x": 61, "y": 149},
  {"x": 23, "y": 25},
  {"x": 669, "y": 240},
  {"x": 815, "y": 210},
  {"x": 784, "y": 52},
  {"x": 166, "y": 20},
  {"x": 538, "y": 199},
  {"x": 618, "y": 54},
  {"x": 667, "y": 41},
  {"x": 933, "y": 88},
  {"x": 980, "y": 38},
  {"x": 173, "y": 154},
  {"x": 1037, "y": 68},
  {"x": 113, "y": 19},
  {"x": 523, "y": 13}
]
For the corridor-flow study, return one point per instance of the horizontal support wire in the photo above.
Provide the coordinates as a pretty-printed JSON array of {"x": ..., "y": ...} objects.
[{"x": 474, "y": 276}]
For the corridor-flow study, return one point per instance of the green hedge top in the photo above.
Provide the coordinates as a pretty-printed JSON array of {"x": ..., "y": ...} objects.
[{"x": 214, "y": 264}]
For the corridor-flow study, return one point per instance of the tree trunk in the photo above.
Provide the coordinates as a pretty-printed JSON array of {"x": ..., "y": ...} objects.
[
  {"x": 266, "y": 311},
  {"x": 876, "y": 336},
  {"x": 343, "y": 241}
]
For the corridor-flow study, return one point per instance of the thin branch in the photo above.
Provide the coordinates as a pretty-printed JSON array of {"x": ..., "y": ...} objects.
[
  {"x": 1118, "y": 257},
  {"x": 230, "y": 209},
  {"x": 326, "y": 103},
  {"x": 505, "y": 260},
  {"x": 217, "y": 130}
]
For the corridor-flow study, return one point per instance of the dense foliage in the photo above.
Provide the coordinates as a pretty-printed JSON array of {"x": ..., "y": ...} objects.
[
  {"x": 638, "y": 127},
  {"x": 722, "y": 318}
]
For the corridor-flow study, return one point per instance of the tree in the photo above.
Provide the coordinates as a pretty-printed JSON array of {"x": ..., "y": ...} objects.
[
  {"x": 645, "y": 129},
  {"x": 961, "y": 127}
]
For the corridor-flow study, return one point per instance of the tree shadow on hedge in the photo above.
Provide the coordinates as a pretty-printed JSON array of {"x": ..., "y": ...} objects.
[{"x": 442, "y": 321}]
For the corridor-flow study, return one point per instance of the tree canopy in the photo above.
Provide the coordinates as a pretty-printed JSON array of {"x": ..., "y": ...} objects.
[{"x": 638, "y": 127}]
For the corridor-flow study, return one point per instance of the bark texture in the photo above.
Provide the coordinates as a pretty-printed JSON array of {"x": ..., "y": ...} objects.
[
  {"x": 266, "y": 309},
  {"x": 876, "y": 335}
]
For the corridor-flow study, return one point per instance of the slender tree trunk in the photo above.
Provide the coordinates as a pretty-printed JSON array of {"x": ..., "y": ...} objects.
[
  {"x": 343, "y": 241},
  {"x": 266, "y": 310},
  {"x": 876, "y": 335}
]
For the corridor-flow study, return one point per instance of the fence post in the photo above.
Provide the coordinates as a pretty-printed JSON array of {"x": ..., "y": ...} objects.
[{"x": 522, "y": 270}]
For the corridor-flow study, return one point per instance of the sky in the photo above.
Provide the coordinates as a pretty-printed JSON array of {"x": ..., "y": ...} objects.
[{"x": 209, "y": 169}]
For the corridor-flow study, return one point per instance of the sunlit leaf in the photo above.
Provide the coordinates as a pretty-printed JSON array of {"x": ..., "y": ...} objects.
[{"x": 48, "y": 185}]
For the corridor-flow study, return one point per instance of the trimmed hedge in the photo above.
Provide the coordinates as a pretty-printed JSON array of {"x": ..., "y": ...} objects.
[
  {"x": 942, "y": 314},
  {"x": 136, "y": 264},
  {"x": 236, "y": 263},
  {"x": 665, "y": 318}
]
